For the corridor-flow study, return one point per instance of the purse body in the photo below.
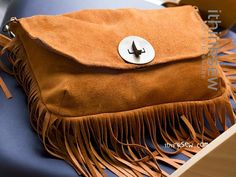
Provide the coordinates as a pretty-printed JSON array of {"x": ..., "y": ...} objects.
[{"x": 88, "y": 104}]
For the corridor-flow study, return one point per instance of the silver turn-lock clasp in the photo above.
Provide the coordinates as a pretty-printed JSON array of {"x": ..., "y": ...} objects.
[{"x": 136, "y": 50}]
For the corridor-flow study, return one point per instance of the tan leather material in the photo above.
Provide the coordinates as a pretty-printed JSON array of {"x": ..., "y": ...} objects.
[
  {"x": 5, "y": 89},
  {"x": 4, "y": 41},
  {"x": 97, "y": 25},
  {"x": 225, "y": 10},
  {"x": 96, "y": 111},
  {"x": 185, "y": 45}
]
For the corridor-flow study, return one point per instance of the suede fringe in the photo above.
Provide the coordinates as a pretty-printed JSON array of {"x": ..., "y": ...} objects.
[
  {"x": 128, "y": 143},
  {"x": 4, "y": 42}
]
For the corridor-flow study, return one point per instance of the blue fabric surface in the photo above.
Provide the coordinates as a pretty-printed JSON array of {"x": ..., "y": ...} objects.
[{"x": 21, "y": 153}]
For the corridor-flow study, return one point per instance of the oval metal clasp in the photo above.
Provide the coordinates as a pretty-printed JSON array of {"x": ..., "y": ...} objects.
[{"x": 136, "y": 50}]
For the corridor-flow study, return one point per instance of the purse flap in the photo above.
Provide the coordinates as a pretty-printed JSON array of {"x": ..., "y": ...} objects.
[{"x": 91, "y": 37}]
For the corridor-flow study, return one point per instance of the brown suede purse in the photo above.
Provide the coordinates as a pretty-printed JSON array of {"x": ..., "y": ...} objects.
[
  {"x": 226, "y": 15},
  {"x": 97, "y": 111}
]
